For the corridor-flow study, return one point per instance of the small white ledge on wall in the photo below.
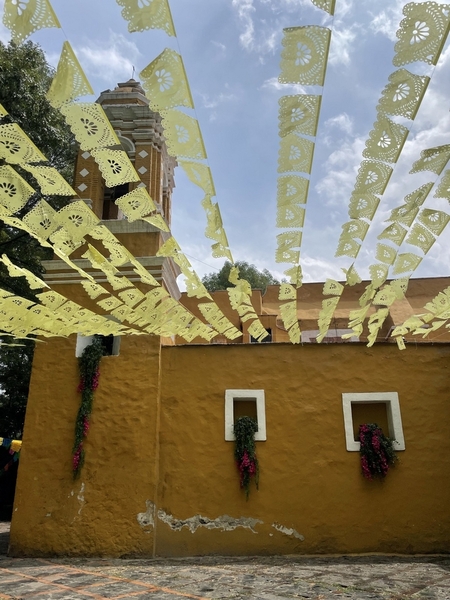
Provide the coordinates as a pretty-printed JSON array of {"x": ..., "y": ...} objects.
[
  {"x": 232, "y": 396},
  {"x": 393, "y": 415}
]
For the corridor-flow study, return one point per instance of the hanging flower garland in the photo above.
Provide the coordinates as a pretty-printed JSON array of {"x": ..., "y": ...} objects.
[
  {"x": 244, "y": 452},
  {"x": 377, "y": 451},
  {"x": 88, "y": 364}
]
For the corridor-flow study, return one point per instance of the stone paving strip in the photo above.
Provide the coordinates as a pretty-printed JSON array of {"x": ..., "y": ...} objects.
[{"x": 249, "y": 578}]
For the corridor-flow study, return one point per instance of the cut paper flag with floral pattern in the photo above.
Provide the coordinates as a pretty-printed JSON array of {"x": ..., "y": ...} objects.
[
  {"x": 200, "y": 175},
  {"x": 50, "y": 181},
  {"x": 90, "y": 125},
  {"x": 77, "y": 219},
  {"x": 325, "y": 316},
  {"x": 420, "y": 236},
  {"x": 443, "y": 189},
  {"x": 299, "y": 114},
  {"x": 295, "y": 275},
  {"x": 41, "y": 220},
  {"x": 403, "y": 214},
  {"x": 394, "y": 233},
  {"x": 355, "y": 229},
  {"x": 422, "y": 33},
  {"x": 287, "y": 292},
  {"x": 166, "y": 83},
  {"x": 418, "y": 197},
  {"x": 16, "y": 147},
  {"x": 332, "y": 288},
  {"x": 347, "y": 247},
  {"x": 372, "y": 177},
  {"x": 363, "y": 206},
  {"x": 406, "y": 262},
  {"x": 305, "y": 55},
  {"x": 183, "y": 135},
  {"x": 215, "y": 231},
  {"x": 69, "y": 82},
  {"x": 287, "y": 243},
  {"x": 136, "y": 204},
  {"x": 14, "y": 190},
  {"x": 93, "y": 290},
  {"x": 288, "y": 313},
  {"x": 3, "y": 112},
  {"x": 378, "y": 274},
  {"x": 292, "y": 189},
  {"x": 63, "y": 241},
  {"x": 290, "y": 215},
  {"x": 386, "y": 254},
  {"x": 326, "y": 5},
  {"x": 386, "y": 140},
  {"x": 147, "y": 14},
  {"x": 434, "y": 220},
  {"x": 432, "y": 159},
  {"x": 352, "y": 276},
  {"x": 403, "y": 94},
  {"x": 115, "y": 166},
  {"x": 296, "y": 154},
  {"x": 24, "y": 17}
]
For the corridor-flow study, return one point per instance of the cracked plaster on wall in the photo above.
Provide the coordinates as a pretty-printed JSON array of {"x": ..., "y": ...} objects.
[
  {"x": 223, "y": 523},
  {"x": 286, "y": 531},
  {"x": 81, "y": 499},
  {"x": 147, "y": 519}
]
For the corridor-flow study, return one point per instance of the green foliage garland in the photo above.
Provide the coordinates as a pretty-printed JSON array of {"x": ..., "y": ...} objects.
[
  {"x": 245, "y": 452},
  {"x": 376, "y": 451},
  {"x": 88, "y": 364}
]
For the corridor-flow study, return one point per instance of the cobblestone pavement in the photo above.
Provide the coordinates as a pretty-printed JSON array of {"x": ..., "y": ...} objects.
[{"x": 257, "y": 578}]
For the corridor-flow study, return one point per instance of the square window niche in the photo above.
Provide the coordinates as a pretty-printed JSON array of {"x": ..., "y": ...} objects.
[
  {"x": 382, "y": 408},
  {"x": 245, "y": 403},
  {"x": 110, "y": 343}
]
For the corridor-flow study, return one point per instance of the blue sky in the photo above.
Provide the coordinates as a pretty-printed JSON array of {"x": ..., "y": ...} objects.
[{"x": 231, "y": 50}]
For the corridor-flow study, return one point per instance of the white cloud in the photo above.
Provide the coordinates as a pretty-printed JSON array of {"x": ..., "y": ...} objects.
[
  {"x": 214, "y": 101},
  {"x": 341, "y": 45},
  {"x": 245, "y": 9},
  {"x": 111, "y": 61},
  {"x": 220, "y": 46},
  {"x": 387, "y": 20},
  {"x": 342, "y": 122},
  {"x": 319, "y": 269},
  {"x": 341, "y": 169}
]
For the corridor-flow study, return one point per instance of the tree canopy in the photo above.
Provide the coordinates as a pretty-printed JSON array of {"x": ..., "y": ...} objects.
[
  {"x": 256, "y": 278},
  {"x": 25, "y": 77}
]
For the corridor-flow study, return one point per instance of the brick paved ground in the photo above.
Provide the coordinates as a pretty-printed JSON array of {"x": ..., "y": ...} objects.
[{"x": 252, "y": 578}]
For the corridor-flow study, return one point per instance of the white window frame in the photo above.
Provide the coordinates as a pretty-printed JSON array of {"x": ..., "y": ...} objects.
[
  {"x": 231, "y": 396},
  {"x": 390, "y": 399}
]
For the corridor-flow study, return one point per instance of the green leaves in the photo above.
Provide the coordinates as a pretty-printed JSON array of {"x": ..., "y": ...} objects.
[
  {"x": 257, "y": 279},
  {"x": 245, "y": 452}
]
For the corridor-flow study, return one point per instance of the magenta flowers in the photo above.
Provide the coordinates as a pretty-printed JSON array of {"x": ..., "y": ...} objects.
[{"x": 377, "y": 451}]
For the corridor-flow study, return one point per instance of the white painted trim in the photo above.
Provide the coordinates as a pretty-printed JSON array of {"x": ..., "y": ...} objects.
[
  {"x": 393, "y": 415},
  {"x": 235, "y": 395}
]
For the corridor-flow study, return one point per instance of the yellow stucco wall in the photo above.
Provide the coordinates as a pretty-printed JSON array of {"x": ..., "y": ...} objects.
[
  {"x": 312, "y": 496},
  {"x": 95, "y": 515}
]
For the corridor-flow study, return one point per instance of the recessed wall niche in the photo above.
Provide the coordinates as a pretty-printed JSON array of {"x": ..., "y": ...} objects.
[{"x": 240, "y": 403}]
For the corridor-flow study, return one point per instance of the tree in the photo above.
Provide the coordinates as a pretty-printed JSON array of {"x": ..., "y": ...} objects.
[
  {"x": 25, "y": 77},
  {"x": 257, "y": 279}
]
